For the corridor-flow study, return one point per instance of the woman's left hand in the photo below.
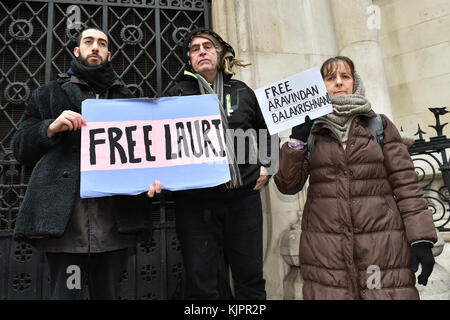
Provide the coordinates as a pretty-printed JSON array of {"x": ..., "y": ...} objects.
[{"x": 421, "y": 253}]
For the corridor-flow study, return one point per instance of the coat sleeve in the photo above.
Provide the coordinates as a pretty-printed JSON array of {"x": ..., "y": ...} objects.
[
  {"x": 30, "y": 141},
  {"x": 293, "y": 170},
  {"x": 417, "y": 219}
]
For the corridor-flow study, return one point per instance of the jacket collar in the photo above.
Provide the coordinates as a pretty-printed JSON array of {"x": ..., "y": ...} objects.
[{"x": 74, "y": 79}]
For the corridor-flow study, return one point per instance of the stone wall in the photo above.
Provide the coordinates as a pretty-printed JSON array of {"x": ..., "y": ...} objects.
[{"x": 415, "y": 45}]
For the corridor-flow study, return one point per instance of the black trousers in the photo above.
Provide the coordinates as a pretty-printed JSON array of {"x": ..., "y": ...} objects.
[
  {"x": 100, "y": 271},
  {"x": 218, "y": 225}
]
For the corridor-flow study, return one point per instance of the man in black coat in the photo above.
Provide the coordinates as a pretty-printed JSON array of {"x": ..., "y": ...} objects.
[
  {"x": 223, "y": 221},
  {"x": 86, "y": 241}
]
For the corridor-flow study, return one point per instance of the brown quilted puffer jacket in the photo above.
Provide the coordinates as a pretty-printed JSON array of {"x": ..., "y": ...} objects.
[{"x": 364, "y": 208}]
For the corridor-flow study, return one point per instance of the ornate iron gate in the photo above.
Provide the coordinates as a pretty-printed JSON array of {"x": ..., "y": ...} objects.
[
  {"x": 430, "y": 157},
  {"x": 36, "y": 42}
]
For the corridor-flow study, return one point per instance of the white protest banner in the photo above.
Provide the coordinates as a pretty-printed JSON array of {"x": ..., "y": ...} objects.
[{"x": 287, "y": 102}]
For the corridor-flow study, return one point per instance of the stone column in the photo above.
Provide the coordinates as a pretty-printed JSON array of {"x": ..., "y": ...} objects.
[
  {"x": 231, "y": 20},
  {"x": 356, "y": 26}
]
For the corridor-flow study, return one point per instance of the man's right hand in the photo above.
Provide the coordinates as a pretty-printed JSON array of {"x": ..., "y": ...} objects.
[{"x": 67, "y": 121}]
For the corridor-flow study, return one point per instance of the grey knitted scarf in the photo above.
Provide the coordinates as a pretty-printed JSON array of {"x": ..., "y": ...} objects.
[
  {"x": 205, "y": 88},
  {"x": 345, "y": 108}
]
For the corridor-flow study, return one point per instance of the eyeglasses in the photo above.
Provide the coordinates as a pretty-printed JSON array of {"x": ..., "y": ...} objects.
[{"x": 207, "y": 46}]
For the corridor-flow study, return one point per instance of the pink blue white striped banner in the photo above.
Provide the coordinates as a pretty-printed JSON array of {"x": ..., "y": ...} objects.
[{"x": 128, "y": 143}]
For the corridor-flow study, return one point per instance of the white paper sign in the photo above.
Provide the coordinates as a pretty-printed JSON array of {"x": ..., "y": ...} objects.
[{"x": 287, "y": 102}]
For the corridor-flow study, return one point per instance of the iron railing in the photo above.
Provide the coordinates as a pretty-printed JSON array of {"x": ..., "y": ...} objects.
[{"x": 430, "y": 157}]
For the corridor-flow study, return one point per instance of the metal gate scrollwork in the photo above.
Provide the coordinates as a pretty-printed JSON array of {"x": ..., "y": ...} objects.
[
  {"x": 21, "y": 29},
  {"x": 429, "y": 158},
  {"x": 17, "y": 92},
  {"x": 37, "y": 38},
  {"x": 131, "y": 34}
]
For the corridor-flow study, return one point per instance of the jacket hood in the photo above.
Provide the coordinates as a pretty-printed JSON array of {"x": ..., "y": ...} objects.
[{"x": 197, "y": 31}]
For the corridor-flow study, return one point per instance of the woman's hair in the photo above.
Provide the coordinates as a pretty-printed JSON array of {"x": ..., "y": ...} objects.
[{"x": 330, "y": 66}]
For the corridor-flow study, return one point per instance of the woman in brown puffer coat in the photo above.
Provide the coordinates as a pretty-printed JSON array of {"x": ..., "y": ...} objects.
[{"x": 365, "y": 225}]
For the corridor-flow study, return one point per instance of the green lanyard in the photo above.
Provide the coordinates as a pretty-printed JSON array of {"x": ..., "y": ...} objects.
[{"x": 228, "y": 105}]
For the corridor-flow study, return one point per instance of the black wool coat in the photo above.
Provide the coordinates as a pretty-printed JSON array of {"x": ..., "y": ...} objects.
[{"x": 55, "y": 180}]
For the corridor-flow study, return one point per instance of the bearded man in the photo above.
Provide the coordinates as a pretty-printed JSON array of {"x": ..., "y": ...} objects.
[{"x": 85, "y": 241}]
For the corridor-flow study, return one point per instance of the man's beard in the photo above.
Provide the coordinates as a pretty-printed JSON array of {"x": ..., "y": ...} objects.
[{"x": 85, "y": 62}]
